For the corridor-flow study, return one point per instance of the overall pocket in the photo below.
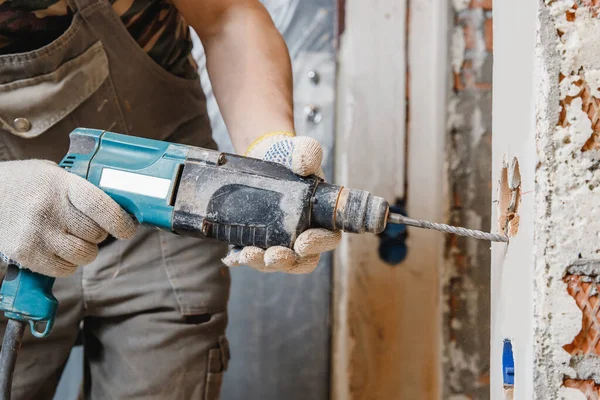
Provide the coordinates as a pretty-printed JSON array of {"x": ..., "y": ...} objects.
[
  {"x": 38, "y": 113},
  {"x": 32, "y": 106},
  {"x": 218, "y": 359}
]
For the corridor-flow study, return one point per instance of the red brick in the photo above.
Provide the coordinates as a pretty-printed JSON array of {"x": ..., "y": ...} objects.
[
  {"x": 458, "y": 84},
  {"x": 593, "y": 143},
  {"x": 591, "y": 106},
  {"x": 488, "y": 34},
  {"x": 470, "y": 37},
  {"x": 587, "y": 340},
  {"x": 587, "y": 387},
  {"x": 591, "y": 3},
  {"x": 593, "y": 300},
  {"x": 485, "y": 4}
]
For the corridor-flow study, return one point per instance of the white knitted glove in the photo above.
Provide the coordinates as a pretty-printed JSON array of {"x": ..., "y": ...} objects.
[
  {"x": 51, "y": 221},
  {"x": 303, "y": 156}
]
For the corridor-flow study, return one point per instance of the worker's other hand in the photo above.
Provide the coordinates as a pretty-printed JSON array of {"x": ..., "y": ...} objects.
[
  {"x": 303, "y": 155},
  {"x": 51, "y": 221}
]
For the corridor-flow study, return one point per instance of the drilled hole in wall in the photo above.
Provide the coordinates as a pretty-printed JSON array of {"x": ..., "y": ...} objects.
[{"x": 509, "y": 198}]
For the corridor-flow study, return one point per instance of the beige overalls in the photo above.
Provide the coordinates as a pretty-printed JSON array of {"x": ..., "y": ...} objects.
[{"x": 152, "y": 309}]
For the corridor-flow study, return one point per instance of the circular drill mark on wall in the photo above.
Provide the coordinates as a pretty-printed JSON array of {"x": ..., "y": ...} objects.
[{"x": 509, "y": 198}]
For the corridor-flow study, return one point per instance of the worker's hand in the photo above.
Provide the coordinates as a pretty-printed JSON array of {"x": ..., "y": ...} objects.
[
  {"x": 303, "y": 156},
  {"x": 51, "y": 221}
]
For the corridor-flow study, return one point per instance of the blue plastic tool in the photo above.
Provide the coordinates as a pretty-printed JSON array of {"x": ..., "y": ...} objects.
[
  {"x": 508, "y": 363},
  {"x": 392, "y": 241}
]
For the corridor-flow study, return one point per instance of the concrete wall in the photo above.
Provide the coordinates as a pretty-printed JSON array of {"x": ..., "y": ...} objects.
[
  {"x": 545, "y": 282},
  {"x": 568, "y": 176}
]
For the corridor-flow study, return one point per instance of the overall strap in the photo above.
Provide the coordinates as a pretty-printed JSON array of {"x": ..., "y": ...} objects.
[{"x": 78, "y": 5}]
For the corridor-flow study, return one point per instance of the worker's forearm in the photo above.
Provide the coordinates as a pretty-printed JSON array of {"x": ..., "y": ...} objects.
[{"x": 250, "y": 71}]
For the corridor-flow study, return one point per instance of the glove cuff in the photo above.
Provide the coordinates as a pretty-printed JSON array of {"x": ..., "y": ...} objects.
[{"x": 259, "y": 147}]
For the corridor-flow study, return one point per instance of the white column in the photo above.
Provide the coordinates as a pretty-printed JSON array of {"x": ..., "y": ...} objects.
[{"x": 386, "y": 336}]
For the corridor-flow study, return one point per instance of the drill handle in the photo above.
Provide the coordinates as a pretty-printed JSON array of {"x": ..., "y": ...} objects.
[{"x": 26, "y": 296}]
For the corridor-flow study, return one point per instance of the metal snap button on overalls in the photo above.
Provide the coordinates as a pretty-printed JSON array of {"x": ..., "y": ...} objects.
[{"x": 22, "y": 125}]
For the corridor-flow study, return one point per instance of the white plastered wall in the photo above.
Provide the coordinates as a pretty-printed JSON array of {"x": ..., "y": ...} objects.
[{"x": 514, "y": 136}]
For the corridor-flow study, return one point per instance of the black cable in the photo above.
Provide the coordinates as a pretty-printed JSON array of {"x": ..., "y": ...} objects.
[{"x": 13, "y": 337}]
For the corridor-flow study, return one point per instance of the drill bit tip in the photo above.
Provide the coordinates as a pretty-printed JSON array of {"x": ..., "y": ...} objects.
[{"x": 401, "y": 219}]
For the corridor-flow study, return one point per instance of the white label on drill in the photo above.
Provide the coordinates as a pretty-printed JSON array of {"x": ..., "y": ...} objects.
[{"x": 144, "y": 185}]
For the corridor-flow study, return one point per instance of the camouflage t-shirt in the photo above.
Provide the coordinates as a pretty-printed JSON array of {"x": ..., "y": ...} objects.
[{"x": 156, "y": 25}]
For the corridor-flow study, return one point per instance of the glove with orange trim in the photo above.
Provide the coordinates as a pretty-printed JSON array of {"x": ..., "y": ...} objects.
[{"x": 302, "y": 155}]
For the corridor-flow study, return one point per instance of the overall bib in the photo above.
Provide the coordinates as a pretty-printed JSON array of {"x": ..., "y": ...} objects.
[{"x": 152, "y": 309}]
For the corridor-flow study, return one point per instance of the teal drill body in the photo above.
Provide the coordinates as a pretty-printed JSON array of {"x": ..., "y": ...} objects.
[
  {"x": 139, "y": 174},
  {"x": 196, "y": 192}
]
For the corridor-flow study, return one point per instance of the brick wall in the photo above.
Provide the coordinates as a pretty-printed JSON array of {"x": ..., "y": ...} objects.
[
  {"x": 583, "y": 285},
  {"x": 466, "y": 279}
]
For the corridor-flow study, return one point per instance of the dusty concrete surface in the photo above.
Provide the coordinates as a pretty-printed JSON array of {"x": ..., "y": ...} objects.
[
  {"x": 466, "y": 275},
  {"x": 546, "y": 114},
  {"x": 568, "y": 200}
]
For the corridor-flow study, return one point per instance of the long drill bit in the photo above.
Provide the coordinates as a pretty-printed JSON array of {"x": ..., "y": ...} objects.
[{"x": 401, "y": 219}]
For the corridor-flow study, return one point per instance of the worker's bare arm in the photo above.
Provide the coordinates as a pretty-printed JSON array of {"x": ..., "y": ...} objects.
[
  {"x": 248, "y": 64},
  {"x": 250, "y": 70}
]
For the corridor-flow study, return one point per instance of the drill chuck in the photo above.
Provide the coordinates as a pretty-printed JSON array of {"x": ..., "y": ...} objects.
[
  {"x": 358, "y": 211},
  {"x": 350, "y": 210}
]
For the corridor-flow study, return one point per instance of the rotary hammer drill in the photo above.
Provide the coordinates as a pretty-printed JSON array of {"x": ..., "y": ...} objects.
[{"x": 194, "y": 192}]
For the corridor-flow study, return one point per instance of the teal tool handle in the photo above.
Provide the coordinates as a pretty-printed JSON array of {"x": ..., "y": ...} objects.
[
  {"x": 138, "y": 173},
  {"x": 27, "y": 296}
]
